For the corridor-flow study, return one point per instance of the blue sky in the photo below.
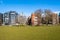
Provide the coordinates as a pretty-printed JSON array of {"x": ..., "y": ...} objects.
[{"x": 28, "y": 6}]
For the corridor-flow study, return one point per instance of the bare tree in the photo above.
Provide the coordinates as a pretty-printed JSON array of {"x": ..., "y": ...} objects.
[
  {"x": 48, "y": 14},
  {"x": 22, "y": 19},
  {"x": 29, "y": 20}
]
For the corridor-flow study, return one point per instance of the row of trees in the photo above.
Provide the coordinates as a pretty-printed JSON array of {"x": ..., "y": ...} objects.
[{"x": 47, "y": 15}]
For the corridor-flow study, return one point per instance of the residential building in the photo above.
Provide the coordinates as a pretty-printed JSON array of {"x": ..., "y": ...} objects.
[
  {"x": 1, "y": 18},
  {"x": 10, "y": 18},
  {"x": 59, "y": 17},
  {"x": 55, "y": 18},
  {"x": 6, "y": 18},
  {"x": 13, "y": 17},
  {"x": 35, "y": 19}
]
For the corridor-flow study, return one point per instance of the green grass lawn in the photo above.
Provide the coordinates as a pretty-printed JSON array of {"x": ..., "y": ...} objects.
[{"x": 30, "y": 32}]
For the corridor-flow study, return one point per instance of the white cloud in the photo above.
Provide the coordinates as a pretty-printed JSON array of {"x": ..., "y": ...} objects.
[{"x": 57, "y": 12}]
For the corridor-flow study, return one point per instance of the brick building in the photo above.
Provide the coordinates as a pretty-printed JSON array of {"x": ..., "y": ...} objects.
[
  {"x": 35, "y": 19},
  {"x": 55, "y": 18}
]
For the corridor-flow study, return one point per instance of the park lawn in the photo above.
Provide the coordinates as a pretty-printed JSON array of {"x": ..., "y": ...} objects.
[{"x": 30, "y": 32}]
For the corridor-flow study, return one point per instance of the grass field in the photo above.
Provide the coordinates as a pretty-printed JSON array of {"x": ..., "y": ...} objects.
[{"x": 30, "y": 32}]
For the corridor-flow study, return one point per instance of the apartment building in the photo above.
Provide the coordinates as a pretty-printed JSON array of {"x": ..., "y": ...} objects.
[
  {"x": 6, "y": 18},
  {"x": 35, "y": 19},
  {"x": 1, "y": 18},
  {"x": 13, "y": 17},
  {"x": 55, "y": 18},
  {"x": 10, "y": 18},
  {"x": 59, "y": 17}
]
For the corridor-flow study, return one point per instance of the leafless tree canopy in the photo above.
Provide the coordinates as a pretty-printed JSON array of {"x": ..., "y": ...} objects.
[{"x": 48, "y": 14}]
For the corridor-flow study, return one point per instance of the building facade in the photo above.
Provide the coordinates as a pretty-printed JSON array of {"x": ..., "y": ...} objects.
[
  {"x": 59, "y": 17},
  {"x": 13, "y": 17},
  {"x": 1, "y": 18},
  {"x": 55, "y": 18},
  {"x": 6, "y": 18},
  {"x": 35, "y": 19},
  {"x": 10, "y": 18}
]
